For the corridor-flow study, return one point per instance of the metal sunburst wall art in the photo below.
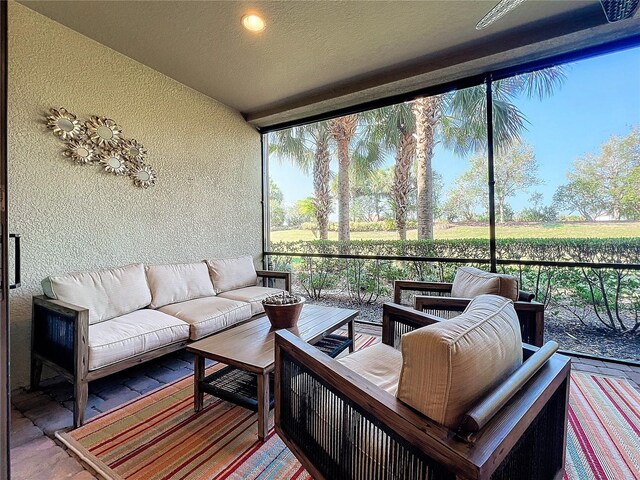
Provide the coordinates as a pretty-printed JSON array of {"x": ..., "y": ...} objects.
[{"x": 99, "y": 141}]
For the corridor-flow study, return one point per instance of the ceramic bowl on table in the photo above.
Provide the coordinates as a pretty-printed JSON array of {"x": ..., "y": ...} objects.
[{"x": 285, "y": 314}]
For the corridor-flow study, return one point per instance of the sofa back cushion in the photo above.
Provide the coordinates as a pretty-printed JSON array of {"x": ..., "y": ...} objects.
[
  {"x": 470, "y": 282},
  {"x": 232, "y": 273},
  {"x": 178, "y": 283},
  {"x": 106, "y": 293},
  {"x": 449, "y": 366}
]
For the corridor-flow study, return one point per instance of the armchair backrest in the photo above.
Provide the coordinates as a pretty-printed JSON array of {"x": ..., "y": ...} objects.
[
  {"x": 470, "y": 282},
  {"x": 399, "y": 320},
  {"x": 449, "y": 366}
]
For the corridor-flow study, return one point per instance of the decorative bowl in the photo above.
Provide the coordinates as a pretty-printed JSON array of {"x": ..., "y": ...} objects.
[{"x": 283, "y": 315}]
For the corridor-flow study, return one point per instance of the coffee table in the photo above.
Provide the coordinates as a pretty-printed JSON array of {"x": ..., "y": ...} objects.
[{"x": 248, "y": 352}]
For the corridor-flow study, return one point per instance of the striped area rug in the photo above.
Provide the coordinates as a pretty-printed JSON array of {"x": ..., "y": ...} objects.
[
  {"x": 604, "y": 429},
  {"x": 158, "y": 436}
]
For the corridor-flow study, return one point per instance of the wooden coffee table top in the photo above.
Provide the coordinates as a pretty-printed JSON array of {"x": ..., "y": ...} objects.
[{"x": 250, "y": 346}]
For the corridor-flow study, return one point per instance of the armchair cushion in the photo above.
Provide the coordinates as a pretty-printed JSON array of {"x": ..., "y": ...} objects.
[
  {"x": 470, "y": 282},
  {"x": 449, "y": 366},
  {"x": 178, "y": 283},
  {"x": 132, "y": 334},
  {"x": 252, "y": 295},
  {"x": 232, "y": 273},
  {"x": 379, "y": 363},
  {"x": 105, "y": 293}
]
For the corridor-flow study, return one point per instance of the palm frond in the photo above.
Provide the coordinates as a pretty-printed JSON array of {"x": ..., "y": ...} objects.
[
  {"x": 540, "y": 83},
  {"x": 366, "y": 158},
  {"x": 463, "y": 126},
  {"x": 508, "y": 124},
  {"x": 291, "y": 144},
  {"x": 386, "y": 124}
]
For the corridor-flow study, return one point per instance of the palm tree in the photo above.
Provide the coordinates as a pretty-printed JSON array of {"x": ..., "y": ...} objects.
[
  {"x": 459, "y": 119},
  {"x": 342, "y": 131},
  {"x": 394, "y": 128},
  {"x": 307, "y": 146},
  {"x": 427, "y": 112}
]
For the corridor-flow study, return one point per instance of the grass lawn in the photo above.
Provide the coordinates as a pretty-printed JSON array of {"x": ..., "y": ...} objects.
[{"x": 528, "y": 230}]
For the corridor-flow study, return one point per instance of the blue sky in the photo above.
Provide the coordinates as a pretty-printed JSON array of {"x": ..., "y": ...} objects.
[{"x": 600, "y": 98}]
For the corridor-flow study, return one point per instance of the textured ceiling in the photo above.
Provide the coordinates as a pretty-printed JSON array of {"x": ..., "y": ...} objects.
[{"x": 308, "y": 47}]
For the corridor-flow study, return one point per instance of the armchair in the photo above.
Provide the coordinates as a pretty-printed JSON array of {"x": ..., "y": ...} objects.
[
  {"x": 435, "y": 298},
  {"x": 341, "y": 425}
]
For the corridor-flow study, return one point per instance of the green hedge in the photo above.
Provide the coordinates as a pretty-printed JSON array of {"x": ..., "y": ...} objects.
[
  {"x": 611, "y": 297},
  {"x": 380, "y": 226},
  {"x": 601, "y": 250}
]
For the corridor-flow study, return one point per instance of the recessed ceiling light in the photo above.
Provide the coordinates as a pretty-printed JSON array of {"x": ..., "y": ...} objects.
[{"x": 253, "y": 22}]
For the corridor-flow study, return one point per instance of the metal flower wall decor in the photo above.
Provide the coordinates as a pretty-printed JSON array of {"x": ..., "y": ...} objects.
[{"x": 99, "y": 141}]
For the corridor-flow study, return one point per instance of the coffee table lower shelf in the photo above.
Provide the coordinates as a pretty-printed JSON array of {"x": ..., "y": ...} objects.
[{"x": 241, "y": 387}]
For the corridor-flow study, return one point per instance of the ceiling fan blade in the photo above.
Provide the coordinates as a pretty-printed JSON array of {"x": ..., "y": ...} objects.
[
  {"x": 502, "y": 8},
  {"x": 616, "y": 10}
]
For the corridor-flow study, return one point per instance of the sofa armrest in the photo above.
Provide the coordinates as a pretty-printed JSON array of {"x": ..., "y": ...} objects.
[
  {"x": 400, "y": 319},
  {"x": 286, "y": 276},
  {"x": 59, "y": 335},
  {"x": 417, "y": 286},
  {"x": 59, "y": 306}
]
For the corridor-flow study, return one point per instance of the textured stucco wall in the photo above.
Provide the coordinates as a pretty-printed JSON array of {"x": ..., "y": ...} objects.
[{"x": 207, "y": 199}]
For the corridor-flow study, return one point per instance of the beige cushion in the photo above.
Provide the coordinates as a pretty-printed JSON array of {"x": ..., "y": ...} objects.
[
  {"x": 132, "y": 334},
  {"x": 208, "y": 315},
  {"x": 251, "y": 295},
  {"x": 449, "y": 366},
  {"x": 178, "y": 283},
  {"x": 470, "y": 282},
  {"x": 106, "y": 293},
  {"x": 231, "y": 273},
  {"x": 380, "y": 364}
]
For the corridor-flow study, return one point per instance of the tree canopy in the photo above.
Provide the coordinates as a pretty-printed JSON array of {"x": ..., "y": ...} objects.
[
  {"x": 606, "y": 183},
  {"x": 515, "y": 171}
]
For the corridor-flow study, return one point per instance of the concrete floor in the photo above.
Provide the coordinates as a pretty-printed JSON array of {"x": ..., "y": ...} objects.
[{"x": 37, "y": 415}]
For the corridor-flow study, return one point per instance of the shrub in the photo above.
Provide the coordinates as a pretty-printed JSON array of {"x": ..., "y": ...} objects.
[{"x": 612, "y": 296}]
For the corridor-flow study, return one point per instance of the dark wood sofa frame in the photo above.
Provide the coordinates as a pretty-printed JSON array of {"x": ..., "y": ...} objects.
[
  {"x": 435, "y": 298},
  {"x": 340, "y": 425},
  {"x": 59, "y": 340}
]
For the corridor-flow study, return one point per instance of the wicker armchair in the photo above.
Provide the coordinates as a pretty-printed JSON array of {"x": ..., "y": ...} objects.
[
  {"x": 435, "y": 298},
  {"x": 340, "y": 425}
]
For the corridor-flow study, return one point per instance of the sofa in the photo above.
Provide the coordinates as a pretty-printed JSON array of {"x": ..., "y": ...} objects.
[
  {"x": 459, "y": 398},
  {"x": 88, "y": 325}
]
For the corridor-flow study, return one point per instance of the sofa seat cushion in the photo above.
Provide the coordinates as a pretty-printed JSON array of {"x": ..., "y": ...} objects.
[
  {"x": 132, "y": 334},
  {"x": 178, "y": 283},
  {"x": 209, "y": 314},
  {"x": 232, "y": 273},
  {"x": 470, "y": 282},
  {"x": 252, "y": 295},
  {"x": 449, "y": 366},
  {"x": 380, "y": 364},
  {"x": 105, "y": 293}
]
